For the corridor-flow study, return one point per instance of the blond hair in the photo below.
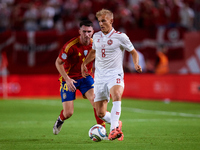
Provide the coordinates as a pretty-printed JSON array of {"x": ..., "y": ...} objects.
[{"x": 104, "y": 12}]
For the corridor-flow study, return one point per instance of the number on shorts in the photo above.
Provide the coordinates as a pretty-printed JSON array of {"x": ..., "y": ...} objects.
[{"x": 118, "y": 80}]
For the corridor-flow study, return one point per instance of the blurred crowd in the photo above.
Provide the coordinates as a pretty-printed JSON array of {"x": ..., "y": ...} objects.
[{"x": 62, "y": 15}]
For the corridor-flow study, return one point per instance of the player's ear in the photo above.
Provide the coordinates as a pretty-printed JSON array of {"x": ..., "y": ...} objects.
[{"x": 111, "y": 21}]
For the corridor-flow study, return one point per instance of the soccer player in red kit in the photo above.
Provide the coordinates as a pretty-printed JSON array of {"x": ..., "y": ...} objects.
[{"x": 68, "y": 65}]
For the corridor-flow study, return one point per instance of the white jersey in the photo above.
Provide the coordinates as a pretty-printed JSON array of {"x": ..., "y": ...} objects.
[{"x": 109, "y": 53}]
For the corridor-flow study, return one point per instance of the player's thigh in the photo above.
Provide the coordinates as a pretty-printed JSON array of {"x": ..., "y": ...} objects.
[
  {"x": 68, "y": 108},
  {"x": 86, "y": 87},
  {"x": 65, "y": 94},
  {"x": 101, "y": 107},
  {"x": 101, "y": 92},
  {"x": 116, "y": 92},
  {"x": 90, "y": 96}
]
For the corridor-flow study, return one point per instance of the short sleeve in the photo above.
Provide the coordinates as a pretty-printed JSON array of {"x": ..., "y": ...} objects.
[
  {"x": 65, "y": 53},
  {"x": 126, "y": 43}
]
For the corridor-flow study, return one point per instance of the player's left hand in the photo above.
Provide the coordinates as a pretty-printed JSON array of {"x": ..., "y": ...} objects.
[{"x": 138, "y": 68}]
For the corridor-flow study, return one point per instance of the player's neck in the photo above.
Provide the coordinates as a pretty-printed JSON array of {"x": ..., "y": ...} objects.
[
  {"x": 105, "y": 33},
  {"x": 84, "y": 42}
]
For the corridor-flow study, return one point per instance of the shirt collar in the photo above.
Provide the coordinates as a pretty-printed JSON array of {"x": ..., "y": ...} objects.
[{"x": 107, "y": 35}]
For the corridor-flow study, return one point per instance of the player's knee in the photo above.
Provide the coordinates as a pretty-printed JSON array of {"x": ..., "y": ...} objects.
[
  {"x": 100, "y": 114},
  {"x": 67, "y": 114},
  {"x": 116, "y": 93},
  {"x": 116, "y": 97}
]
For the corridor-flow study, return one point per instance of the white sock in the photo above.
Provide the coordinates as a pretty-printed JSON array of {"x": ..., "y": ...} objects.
[
  {"x": 107, "y": 117},
  {"x": 115, "y": 114}
]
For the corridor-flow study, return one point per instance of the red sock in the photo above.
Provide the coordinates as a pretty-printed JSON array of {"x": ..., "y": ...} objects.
[
  {"x": 62, "y": 116},
  {"x": 99, "y": 121}
]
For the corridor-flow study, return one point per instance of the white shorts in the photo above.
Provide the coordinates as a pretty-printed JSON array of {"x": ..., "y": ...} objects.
[{"x": 102, "y": 89}]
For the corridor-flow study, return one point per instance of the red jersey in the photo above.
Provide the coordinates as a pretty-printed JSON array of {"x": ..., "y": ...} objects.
[{"x": 73, "y": 54}]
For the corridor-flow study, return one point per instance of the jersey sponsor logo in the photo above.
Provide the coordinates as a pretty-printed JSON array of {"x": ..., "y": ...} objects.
[
  {"x": 110, "y": 42},
  {"x": 98, "y": 40},
  {"x": 117, "y": 113},
  {"x": 64, "y": 56},
  {"x": 85, "y": 52}
]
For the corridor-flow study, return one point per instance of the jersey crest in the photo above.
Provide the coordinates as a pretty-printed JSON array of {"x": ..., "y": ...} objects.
[
  {"x": 110, "y": 42},
  {"x": 85, "y": 52}
]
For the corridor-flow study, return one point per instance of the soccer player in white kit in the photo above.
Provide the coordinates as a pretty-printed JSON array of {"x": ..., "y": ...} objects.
[{"x": 107, "y": 50}]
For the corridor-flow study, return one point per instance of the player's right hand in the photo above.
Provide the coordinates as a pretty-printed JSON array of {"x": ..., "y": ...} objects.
[
  {"x": 70, "y": 84},
  {"x": 84, "y": 70}
]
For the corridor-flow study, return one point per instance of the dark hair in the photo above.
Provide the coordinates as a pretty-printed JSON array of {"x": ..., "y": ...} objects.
[{"x": 87, "y": 23}]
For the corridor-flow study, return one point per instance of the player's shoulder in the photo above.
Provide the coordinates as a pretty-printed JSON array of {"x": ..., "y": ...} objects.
[
  {"x": 119, "y": 34},
  {"x": 71, "y": 43}
]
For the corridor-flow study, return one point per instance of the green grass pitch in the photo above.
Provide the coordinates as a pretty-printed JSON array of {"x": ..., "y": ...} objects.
[{"x": 147, "y": 125}]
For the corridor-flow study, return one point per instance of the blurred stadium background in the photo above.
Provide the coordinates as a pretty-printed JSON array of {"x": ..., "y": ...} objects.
[{"x": 32, "y": 32}]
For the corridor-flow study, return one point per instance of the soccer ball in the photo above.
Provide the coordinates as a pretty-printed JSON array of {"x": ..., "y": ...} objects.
[{"x": 97, "y": 133}]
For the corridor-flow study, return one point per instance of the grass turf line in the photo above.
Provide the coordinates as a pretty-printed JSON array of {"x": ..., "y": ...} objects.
[{"x": 147, "y": 125}]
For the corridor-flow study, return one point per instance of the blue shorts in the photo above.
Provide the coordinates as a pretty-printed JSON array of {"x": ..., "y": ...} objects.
[{"x": 83, "y": 85}]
